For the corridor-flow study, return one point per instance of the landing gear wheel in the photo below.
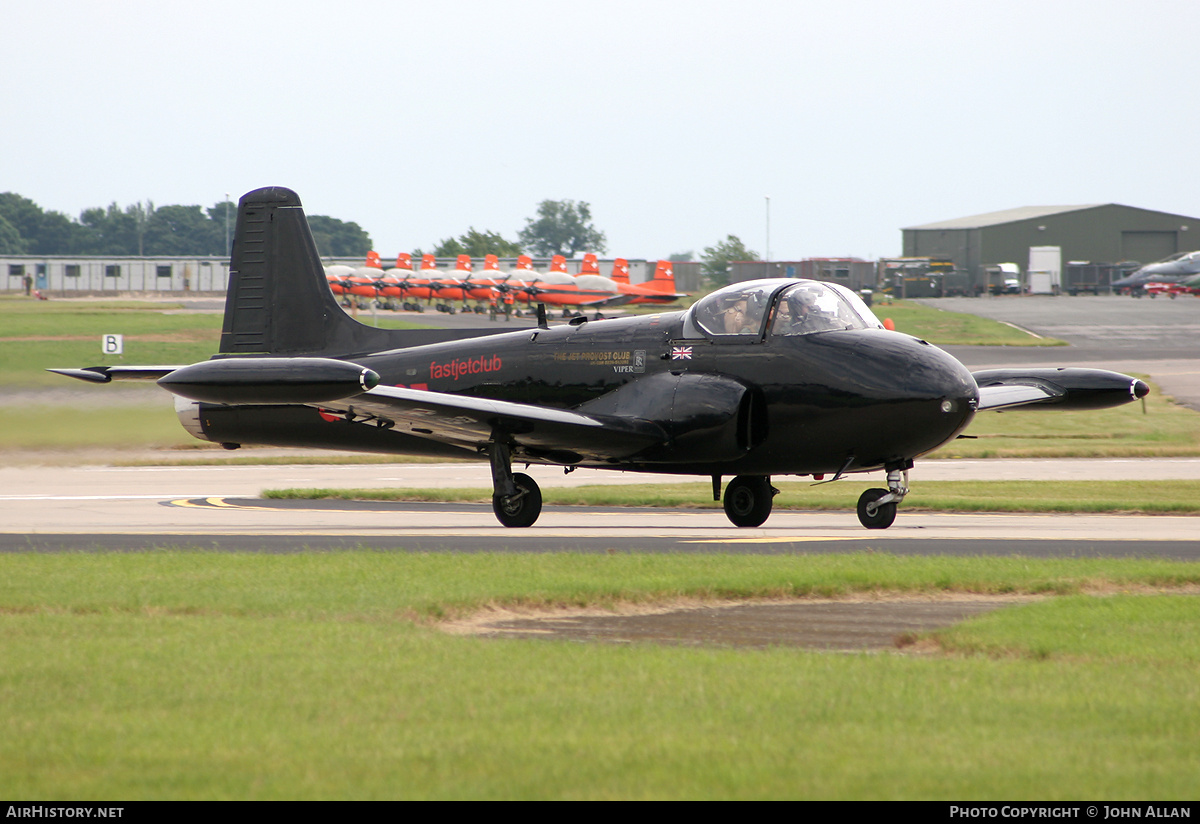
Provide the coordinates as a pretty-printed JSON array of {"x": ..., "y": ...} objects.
[
  {"x": 748, "y": 500},
  {"x": 880, "y": 516},
  {"x": 521, "y": 509}
]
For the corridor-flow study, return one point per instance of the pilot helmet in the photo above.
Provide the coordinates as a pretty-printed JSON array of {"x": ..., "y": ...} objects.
[{"x": 802, "y": 299}]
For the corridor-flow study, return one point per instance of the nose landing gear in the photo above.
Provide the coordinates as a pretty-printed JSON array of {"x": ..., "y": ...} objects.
[{"x": 877, "y": 507}]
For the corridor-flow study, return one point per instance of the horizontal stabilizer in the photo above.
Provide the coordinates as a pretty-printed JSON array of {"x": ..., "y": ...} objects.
[
  {"x": 106, "y": 374},
  {"x": 269, "y": 380}
]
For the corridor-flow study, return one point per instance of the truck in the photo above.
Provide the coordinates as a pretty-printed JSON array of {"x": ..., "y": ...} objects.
[{"x": 921, "y": 277}]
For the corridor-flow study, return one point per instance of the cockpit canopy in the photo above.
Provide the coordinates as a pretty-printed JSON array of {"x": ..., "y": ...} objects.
[{"x": 791, "y": 307}]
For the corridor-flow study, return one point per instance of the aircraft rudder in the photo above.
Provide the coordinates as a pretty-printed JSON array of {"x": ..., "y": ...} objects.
[
  {"x": 620, "y": 270},
  {"x": 664, "y": 277},
  {"x": 278, "y": 300}
]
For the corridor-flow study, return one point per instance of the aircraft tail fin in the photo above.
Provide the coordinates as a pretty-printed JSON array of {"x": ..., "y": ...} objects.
[
  {"x": 590, "y": 265},
  {"x": 664, "y": 278},
  {"x": 620, "y": 271},
  {"x": 279, "y": 301}
]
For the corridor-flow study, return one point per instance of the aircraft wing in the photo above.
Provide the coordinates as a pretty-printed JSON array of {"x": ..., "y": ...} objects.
[
  {"x": 558, "y": 434},
  {"x": 615, "y": 300}
]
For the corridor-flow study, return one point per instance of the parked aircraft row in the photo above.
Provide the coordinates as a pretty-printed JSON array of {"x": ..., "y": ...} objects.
[{"x": 557, "y": 287}]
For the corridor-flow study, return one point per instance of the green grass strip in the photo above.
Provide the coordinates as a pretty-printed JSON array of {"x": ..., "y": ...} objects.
[
  {"x": 1180, "y": 497},
  {"x": 956, "y": 328}
]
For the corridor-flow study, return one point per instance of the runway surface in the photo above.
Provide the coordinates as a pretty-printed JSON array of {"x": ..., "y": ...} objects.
[{"x": 51, "y": 508}]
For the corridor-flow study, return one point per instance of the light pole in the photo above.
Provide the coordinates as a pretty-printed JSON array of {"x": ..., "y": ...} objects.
[{"x": 768, "y": 197}]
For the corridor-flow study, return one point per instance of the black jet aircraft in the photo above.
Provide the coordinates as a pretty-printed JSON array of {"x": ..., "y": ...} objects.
[{"x": 759, "y": 379}]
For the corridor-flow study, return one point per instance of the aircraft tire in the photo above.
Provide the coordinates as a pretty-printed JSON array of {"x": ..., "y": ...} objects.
[
  {"x": 884, "y": 515},
  {"x": 525, "y": 509},
  {"x": 748, "y": 500}
]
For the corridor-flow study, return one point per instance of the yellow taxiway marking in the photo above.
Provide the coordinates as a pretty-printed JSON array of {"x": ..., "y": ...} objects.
[{"x": 218, "y": 503}]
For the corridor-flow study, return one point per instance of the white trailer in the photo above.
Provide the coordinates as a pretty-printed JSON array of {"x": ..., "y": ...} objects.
[{"x": 1045, "y": 270}]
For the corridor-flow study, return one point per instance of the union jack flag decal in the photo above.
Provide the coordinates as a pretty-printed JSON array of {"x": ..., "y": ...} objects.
[{"x": 681, "y": 353}]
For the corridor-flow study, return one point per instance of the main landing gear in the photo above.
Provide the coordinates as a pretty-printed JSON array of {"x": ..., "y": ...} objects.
[
  {"x": 877, "y": 507},
  {"x": 748, "y": 499},
  {"x": 516, "y": 498}
]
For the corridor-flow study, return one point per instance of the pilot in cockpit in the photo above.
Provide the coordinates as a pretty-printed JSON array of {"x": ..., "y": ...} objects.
[
  {"x": 742, "y": 316},
  {"x": 800, "y": 313}
]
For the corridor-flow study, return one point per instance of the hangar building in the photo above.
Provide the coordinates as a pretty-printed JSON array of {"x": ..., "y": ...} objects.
[{"x": 1109, "y": 233}]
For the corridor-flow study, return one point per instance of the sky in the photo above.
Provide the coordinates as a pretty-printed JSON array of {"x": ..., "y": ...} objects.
[{"x": 676, "y": 121}]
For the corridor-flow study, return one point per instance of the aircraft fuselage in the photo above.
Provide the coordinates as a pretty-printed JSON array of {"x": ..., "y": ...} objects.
[{"x": 840, "y": 400}]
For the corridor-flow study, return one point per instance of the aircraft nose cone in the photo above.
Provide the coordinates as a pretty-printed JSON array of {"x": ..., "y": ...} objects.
[
  {"x": 907, "y": 396},
  {"x": 1140, "y": 389},
  {"x": 941, "y": 393}
]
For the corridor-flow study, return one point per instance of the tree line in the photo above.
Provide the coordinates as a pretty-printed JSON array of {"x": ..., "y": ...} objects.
[
  {"x": 143, "y": 229},
  {"x": 560, "y": 227}
]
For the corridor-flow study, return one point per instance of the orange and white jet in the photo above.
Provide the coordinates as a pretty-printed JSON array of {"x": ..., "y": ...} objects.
[
  {"x": 559, "y": 288},
  {"x": 659, "y": 289},
  {"x": 396, "y": 282},
  {"x": 361, "y": 281},
  {"x": 419, "y": 284},
  {"x": 450, "y": 286},
  {"x": 485, "y": 287}
]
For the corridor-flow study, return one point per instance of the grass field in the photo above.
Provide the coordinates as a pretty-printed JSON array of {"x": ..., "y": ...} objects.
[
  {"x": 36, "y": 335},
  {"x": 188, "y": 674},
  {"x": 944, "y": 328}
]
